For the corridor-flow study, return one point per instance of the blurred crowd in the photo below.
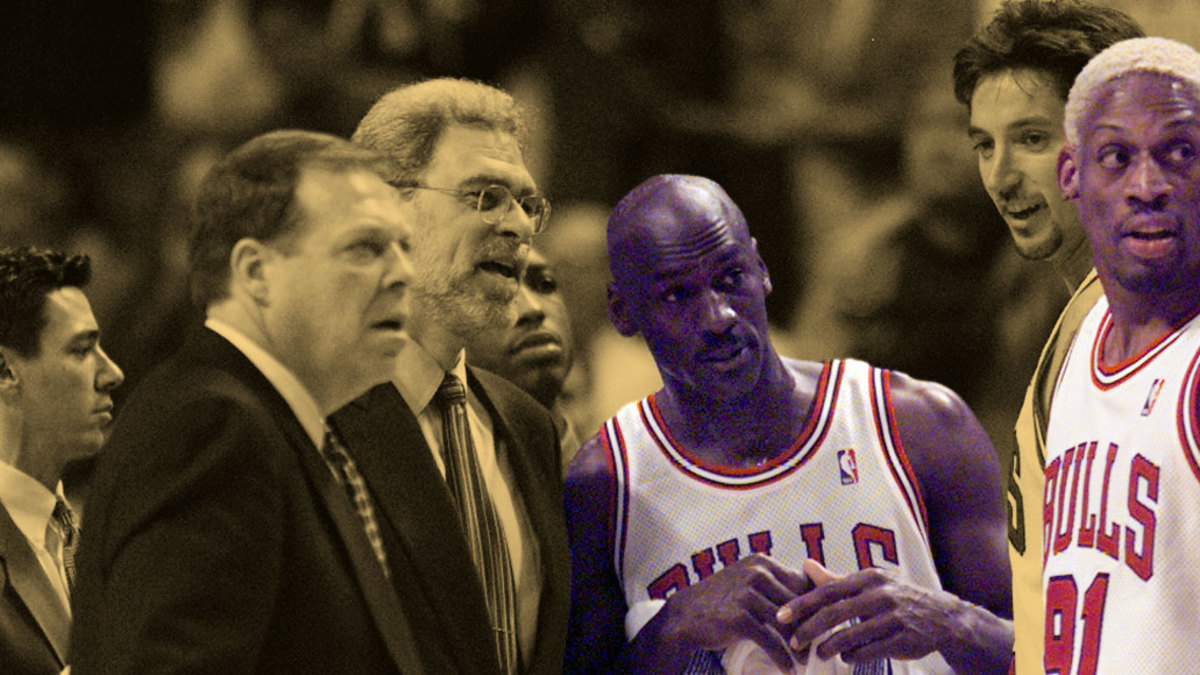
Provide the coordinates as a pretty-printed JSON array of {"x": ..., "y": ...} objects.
[{"x": 831, "y": 123}]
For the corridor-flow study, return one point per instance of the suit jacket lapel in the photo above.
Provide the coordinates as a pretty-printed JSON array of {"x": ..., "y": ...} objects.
[
  {"x": 377, "y": 591},
  {"x": 28, "y": 579},
  {"x": 540, "y": 488},
  {"x": 386, "y": 441}
]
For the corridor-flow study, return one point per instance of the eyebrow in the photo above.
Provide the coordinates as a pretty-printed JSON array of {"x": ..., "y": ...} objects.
[
  {"x": 486, "y": 179},
  {"x": 91, "y": 335},
  {"x": 1035, "y": 120},
  {"x": 671, "y": 273}
]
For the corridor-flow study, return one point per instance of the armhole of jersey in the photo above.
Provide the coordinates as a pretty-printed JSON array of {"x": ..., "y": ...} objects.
[
  {"x": 1083, "y": 299},
  {"x": 893, "y": 450},
  {"x": 1189, "y": 421},
  {"x": 618, "y": 498}
]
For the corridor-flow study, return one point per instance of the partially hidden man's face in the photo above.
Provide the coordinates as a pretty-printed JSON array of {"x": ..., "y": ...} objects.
[
  {"x": 695, "y": 288},
  {"x": 1016, "y": 129},
  {"x": 66, "y": 390},
  {"x": 467, "y": 270},
  {"x": 535, "y": 351},
  {"x": 1137, "y": 181},
  {"x": 338, "y": 285}
]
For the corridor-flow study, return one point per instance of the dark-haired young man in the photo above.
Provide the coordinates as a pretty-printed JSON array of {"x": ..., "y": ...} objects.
[
  {"x": 1014, "y": 76},
  {"x": 56, "y": 406}
]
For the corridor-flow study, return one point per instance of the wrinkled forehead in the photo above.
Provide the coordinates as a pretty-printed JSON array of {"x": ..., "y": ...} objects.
[
  {"x": 1143, "y": 95},
  {"x": 675, "y": 224}
]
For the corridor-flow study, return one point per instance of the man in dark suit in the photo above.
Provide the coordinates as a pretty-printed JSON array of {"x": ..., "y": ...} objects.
[
  {"x": 494, "y": 603},
  {"x": 56, "y": 405},
  {"x": 227, "y": 531}
]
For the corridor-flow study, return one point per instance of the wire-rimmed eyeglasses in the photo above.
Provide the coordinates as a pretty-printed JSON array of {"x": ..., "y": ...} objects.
[{"x": 495, "y": 201}]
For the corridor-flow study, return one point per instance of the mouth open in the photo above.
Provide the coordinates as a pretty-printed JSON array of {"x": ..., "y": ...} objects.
[
  {"x": 389, "y": 324},
  {"x": 1154, "y": 235},
  {"x": 501, "y": 269},
  {"x": 1023, "y": 214}
]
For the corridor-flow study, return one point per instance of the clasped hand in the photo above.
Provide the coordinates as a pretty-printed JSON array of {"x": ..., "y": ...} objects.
[
  {"x": 894, "y": 619},
  {"x": 783, "y": 611}
]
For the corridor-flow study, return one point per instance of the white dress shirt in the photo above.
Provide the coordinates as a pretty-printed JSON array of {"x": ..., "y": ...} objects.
[
  {"x": 31, "y": 507},
  {"x": 418, "y": 377},
  {"x": 303, "y": 405}
]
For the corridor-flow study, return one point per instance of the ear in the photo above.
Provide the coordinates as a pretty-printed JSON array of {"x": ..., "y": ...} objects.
[
  {"x": 247, "y": 268},
  {"x": 9, "y": 383},
  {"x": 618, "y": 312},
  {"x": 1068, "y": 173},
  {"x": 762, "y": 267}
]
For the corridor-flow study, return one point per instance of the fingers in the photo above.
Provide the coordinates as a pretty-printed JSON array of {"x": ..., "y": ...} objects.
[
  {"x": 777, "y": 582},
  {"x": 835, "y": 600},
  {"x": 772, "y": 642},
  {"x": 830, "y": 589},
  {"x": 861, "y": 640},
  {"x": 819, "y": 575},
  {"x": 795, "y": 581}
]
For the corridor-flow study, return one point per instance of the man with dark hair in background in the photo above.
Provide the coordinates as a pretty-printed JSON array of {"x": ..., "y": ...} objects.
[
  {"x": 1014, "y": 76},
  {"x": 229, "y": 531},
  {"x": 56, "y": 406},
  {"x": 537, "y": 351}
]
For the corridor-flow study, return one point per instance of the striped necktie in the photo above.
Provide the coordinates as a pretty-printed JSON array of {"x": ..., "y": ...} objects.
[
  {"x": 479, "y": 520},
  {"x": 70, "y": 540},
  {"x": 346, "y": 472}
]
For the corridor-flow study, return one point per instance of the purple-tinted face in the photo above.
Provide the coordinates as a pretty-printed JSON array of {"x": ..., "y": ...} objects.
[
  {"x": 690, "y": 280},
  {"x": 1137, "y": 178}
]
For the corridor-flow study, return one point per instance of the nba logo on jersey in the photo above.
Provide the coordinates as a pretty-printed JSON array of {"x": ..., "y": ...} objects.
[
  {"x": 1155, "y": 387},
  {"x": 847, "y": 466}
]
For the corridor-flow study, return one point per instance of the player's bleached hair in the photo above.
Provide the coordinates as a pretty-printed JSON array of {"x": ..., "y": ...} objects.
[{"x": 1150, "y": 55}]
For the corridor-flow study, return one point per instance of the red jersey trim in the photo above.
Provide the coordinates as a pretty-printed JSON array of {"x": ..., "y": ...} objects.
[
  {"x": 1106, "y": 378},
  {"x": 618, "y": 462},
  {"x": 896, "y": 459},
  {"x": 800, "y": 451},
  {"x": 1189, "y": 422}
]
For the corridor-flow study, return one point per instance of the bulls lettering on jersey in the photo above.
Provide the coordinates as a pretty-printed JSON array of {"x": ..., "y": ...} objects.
[
  {"x": 1119, "y": 519},
  {"x": 843, "y": 494}
]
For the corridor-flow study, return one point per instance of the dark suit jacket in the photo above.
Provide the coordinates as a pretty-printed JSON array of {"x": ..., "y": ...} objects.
[
  {"x": 34, "y": 625},
  {"x": 218, "y": 541},
  {"x": 431, "y": 565}
]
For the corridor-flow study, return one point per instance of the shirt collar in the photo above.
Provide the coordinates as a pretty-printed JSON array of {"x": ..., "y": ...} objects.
[
  {"x": 418, "y": 375},
  {"x": 303, "y": 405},
  {"x": 28, "y": 502}
]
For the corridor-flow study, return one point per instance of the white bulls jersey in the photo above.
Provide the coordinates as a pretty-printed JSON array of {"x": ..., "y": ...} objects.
[
  {"x": 1121, "y": 508},
  {"x": 843, "y": 494}
]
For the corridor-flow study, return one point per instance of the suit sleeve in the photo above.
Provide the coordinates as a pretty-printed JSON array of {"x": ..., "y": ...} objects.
[{"x": 180, "y": 560}]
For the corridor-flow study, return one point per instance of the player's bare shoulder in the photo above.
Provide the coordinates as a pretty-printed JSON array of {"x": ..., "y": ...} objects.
[
  {"x": 935, "y": 424},
  {"x": 926, "y": 401},
  {"x": 807, "y": 374},
  {"x": 589, "y": 469}
]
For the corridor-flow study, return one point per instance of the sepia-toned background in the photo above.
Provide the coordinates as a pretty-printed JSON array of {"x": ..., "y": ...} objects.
[{"x": 831, "y": 122}]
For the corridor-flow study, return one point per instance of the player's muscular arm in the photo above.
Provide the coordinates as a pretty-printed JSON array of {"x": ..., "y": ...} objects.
[
  {"x": 595, "y": 632},
  {"x": 959, "y": 476}
]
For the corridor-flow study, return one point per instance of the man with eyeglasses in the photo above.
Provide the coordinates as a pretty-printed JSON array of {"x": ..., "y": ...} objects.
[{"x": 469, "y": 491}]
